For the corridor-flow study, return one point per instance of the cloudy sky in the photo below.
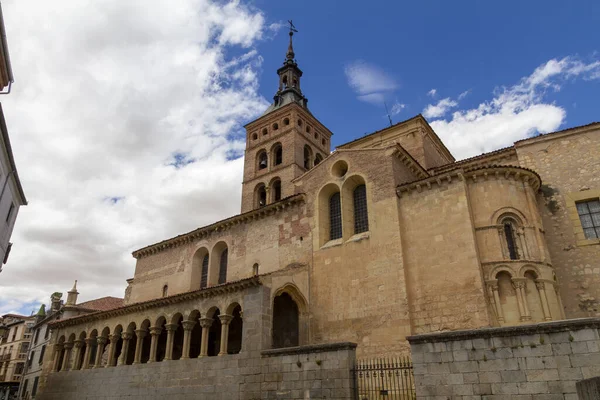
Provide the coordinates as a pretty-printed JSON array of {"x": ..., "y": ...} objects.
[{"x": 126, "y": 117}]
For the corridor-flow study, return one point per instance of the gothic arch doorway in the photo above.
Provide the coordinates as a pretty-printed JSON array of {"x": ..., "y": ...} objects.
[{"x": 289, "y": 318}]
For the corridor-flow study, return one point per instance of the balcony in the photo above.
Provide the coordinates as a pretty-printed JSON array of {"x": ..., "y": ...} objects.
[{"x": 5, "y": 357}]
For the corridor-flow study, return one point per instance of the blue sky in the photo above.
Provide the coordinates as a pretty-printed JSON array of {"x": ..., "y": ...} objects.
[
  {"x": 449, "y": 46},
  {"x": 127, "y": 131}
]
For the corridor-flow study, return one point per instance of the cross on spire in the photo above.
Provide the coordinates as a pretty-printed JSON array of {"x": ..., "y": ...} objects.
[{"x": 290, "y": 53}]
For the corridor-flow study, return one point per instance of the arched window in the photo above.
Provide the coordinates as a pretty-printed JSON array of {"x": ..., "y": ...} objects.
[
  {"x": 361, "y": 214},
  {"x": 307, "y": 157},
  {"x": 277, "y": 154},
  {"x": 204, "y": 275},
  {"x": 261, "y": 196},
  {"x": 165, "y": 291},
  {"x": 254, "y": 136},
  {"x": 323, "y": 141},
  {"x": 286, "y": 121},
  {"x": 307, "y": 129},
  {"x": 255, "y": 269},
  {"x": 511, "y": 240},
  {"x": 275, "y": 126},
  {"x": 335, "y": 217},
  {"x": 264, "y": 131},
  {"x": 299, "y": 122},
  {"x": 294, "y": 82},
  {"x": 276, "y": 188},
  {"x": 223, "y": 266},
  {"x": 318, "y": 159},
  {"x": 286, "y": 324},
  {"x": 285, "y": 81},
  {"x": 262, "y": 160}
]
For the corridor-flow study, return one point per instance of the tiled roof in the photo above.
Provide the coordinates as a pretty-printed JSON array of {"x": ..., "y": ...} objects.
[
  {"x": 102, "y": 304},
  {"x": 561, "y": 131}
]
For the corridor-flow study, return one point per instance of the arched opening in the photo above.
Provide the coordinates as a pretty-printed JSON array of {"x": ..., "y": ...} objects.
[
  {"x": 318, "y": 159},
  {"x": 277, "y": 155},
  {"x": 132, "y": 344},
  {"x": 286, "y": 322},
  {"x": 361, "y": 214},
  {"x": 79, "y": 361},
  {"x": 177, "y": 337},
  {"x": 219, "y": 260},
  {"x": 146, "y": 342},
  {"x": 275, "y": 190},
  {"x": 199, "y": 269},
  {"x": 533, "y": 297},
  {"x": 61, "y": 353},
  {"x": 165, "y": 291},
  {"x": 508, "y": 297},
  {"x": 105, "y": 350},
  {"x": 294, "y": 82},
  {"x": 264, "y": 131},
  {"x": 161, "y": 345},
  {"x": 214, "y": 333},
  {"x": 93, "y": 348},
  {"x": 196, "y": 334},
  {"x": 234, "y": 341},
  {"x": 307, "y": 128},
  {"x": 316, "y": 135},
  {"x": 286, "y": 121},
  {"x": 262, "y": 159},
  {"x": 299, "y": 122},
  {"x": 323, "y": 142},
  {"x": 509, "y": 226},
  {"x": 284, "y": 80},
  {"x": 260, "y": 194},
  {"x": 255, "y": 270},
  {"x": 275, "y": 126},
  {"x": 223, "y": 266},
  {"x": 118, "y": 334},
  {"x": 325, "y": 217},
  {"x": 307, "y": 157},
  {"x": 254, "y": 136}
]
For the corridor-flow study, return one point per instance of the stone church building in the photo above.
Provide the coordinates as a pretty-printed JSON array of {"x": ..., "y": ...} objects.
[{"x": 385, "y": 237}]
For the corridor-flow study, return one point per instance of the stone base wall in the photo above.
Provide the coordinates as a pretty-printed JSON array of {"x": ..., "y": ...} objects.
[
  {"x": 542, "y": 361},
  {"x": 307, "y": 372}
]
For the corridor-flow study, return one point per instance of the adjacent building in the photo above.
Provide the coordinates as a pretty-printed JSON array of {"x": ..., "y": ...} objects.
[
  {"x": 12, "y": 196},
  {"x": 385, "y": 237},
  {"x": 15, "y": 339}
]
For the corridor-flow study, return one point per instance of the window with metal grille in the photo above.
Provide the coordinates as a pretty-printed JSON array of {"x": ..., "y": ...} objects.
[
  {"x": 589, "y": 215},
  {"x": 361, "y": 214},
  {"x": 223, "y": 267},
  {"x": 509, "y": 234},
  {"x": 335, "y": 217},
  {"x": 204, "y": 275}
]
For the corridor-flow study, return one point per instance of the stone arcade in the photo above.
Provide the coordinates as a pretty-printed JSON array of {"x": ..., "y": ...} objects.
[{"x": 386, "y": 237}]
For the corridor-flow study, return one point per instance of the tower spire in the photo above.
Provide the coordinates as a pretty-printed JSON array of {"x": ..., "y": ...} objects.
[{"x": 289, "y": 57}]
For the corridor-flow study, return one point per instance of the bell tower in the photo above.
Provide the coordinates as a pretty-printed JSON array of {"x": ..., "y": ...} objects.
[{"x": 284, "y": 142}]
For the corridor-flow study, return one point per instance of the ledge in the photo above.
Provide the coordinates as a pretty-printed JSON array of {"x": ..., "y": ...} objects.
[
  {"x": 542, "y": 327},
  {"x": 333, "y": 243},
  {"x": 312, "y": 348}
]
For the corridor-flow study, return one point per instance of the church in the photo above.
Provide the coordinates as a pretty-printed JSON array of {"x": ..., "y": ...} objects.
[{"x": 385, "y": 237}]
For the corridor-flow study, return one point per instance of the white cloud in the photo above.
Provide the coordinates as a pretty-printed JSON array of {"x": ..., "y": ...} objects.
[
  {"x": 370, "y": 82},
  {"x": 464, "y": 94},
  {"x": 397, "y": 108},
  {"x": 440, "y": 109},
  {"x": 432, "y": 93},
  {"x": 123, "y": 119},
  {"x": 515, "y": 112}
]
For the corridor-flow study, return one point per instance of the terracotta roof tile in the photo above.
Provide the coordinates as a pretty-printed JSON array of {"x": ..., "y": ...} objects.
[{"x": 102, "y": 304}]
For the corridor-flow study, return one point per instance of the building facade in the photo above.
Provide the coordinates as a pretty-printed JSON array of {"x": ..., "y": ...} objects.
[
  {"x": 12, "y": 196},
  {"x": 15, "y": 340},
  {"x": 385, "y": 237}
]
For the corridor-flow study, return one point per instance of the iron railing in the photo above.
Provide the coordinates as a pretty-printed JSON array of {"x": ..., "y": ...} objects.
[{"x": 384, "y": 379}]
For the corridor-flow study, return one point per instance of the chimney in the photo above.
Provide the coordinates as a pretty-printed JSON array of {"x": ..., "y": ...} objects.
[
  {"x": 72, "y": 295},
  {"x": 55, "y": 302}
]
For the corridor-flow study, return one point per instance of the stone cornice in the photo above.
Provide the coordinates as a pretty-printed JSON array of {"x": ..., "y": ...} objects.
[
  {"x": 480, "y": 160},
  {"x": 412, "y": 164},
  {"x": 483, "y": 173},
  {"x": 212, "y": 291},
  {"x": 220, "y": 226},
  {"x": 314, "y": 348},
  {"x": 558, "y": 134}
]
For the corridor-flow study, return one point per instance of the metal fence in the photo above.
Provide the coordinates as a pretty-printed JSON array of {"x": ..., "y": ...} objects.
[{"x": 384, "y": 379}]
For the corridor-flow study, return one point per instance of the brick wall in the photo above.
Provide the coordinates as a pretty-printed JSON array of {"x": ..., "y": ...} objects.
[
  {"x": 308, "y": 372},
  {"x": 542, "y": 361}
]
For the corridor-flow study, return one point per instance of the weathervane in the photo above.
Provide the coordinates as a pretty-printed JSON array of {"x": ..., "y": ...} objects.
[{"x": 292, "y": 27}]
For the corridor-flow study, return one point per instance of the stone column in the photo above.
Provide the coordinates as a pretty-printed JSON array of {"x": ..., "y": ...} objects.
[
  {"x": 155, "y": 333},
  {"x": 111, "y": 362},
  {"x": 559, "y": 300},
  {"x": 101, "y": 342},
  {"x": 140, "y": 334},
  {"x": 78, "y": 346},
  {"x": 187, "y": 333},
  {"x": 66, "y": 356},
  {"x": 57, "y": 349},
  {"x": 125, "y": 349},
  {"x": 495, "y": 298},
  {"x": 171, "y": 328},
  {"x": 205, "y": 323},
  {"x": 225, "y": 320},
  {"x": 522, "y": 240},
  {"x": 541, "y": 288},
  {"x": 88, "y": 352},
  {"x": 519, "y": 285}
]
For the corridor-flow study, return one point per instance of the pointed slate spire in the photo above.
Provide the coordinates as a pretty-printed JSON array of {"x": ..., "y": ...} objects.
[
  {"x": 290, "y": 52},
  {"x": 42, "y": 311}
]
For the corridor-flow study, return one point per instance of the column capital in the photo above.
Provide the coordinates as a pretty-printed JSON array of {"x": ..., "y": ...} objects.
[
  {"x": 225, "y": 319},
  {"x": 59, "y": 346},
  {"x": 155, "y": 330},
  {"x": 115, "y": 337},
  {"x": 539, "y": 285},
  {"x": 493, "y": 284},
  {"x": 68, "y": 345},
  {"x": 126, "y": 335},
  {"x": 518, "y": 283},
  {"x": 188, "y": 325},
  {"x": 206, "y": 322},
  {"x": 101, "y": 340},
  {"x": 90, "y": 341},
  {"x": 140, "y": 333},
  {"x": 171, "y": 327},
  {"x": 79, "y": 343}
]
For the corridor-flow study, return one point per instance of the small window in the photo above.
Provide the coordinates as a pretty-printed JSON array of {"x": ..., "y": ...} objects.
[
  {"x": 261, "y": 196},
  {"x": 307, "y": 157},
  {"x": 278, "y": 155},
  {"x": 276, "y": 190},
  {"x": 204, "y": 275},
  {"x": 307, "y": 129},
  {"x": 10, "y": 212},
  {"x": 30, "y": 359},
  {"x": 223, "y": 266},
  {"x": 42, "y": 352},
  {"x": 323, "y": 142},
  {"x": 35, "y": 385},
  {"x": 264, "y": 131},
  {"x": 318, "y": 159},
  {"x": 36, "y": 336},
  {"x": 299, "y": 122},
  {"x": 511, "y": 243},
  {"x": 589, "y": 215},
  {"x": 294, "y": 82},
  {"x": 286, "y": 121},
  {"x": 316, "y": 136},
  {"x": 275, "y": 126},
  {"x": 254, "y": 136},
  {"x": 46, "y": 333},
  {"x": 262, "y": 160},
  {"x": 255, "y": 269},
  {"x": 165, "y": 291},
  {"x": 361, "y": 214},
  {"x": 335, "y": 217}
]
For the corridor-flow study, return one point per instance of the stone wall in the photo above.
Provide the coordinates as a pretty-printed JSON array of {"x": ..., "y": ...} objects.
[
  {"x": 308, "y": 372},
  {"x": 542, "y": 361}
]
